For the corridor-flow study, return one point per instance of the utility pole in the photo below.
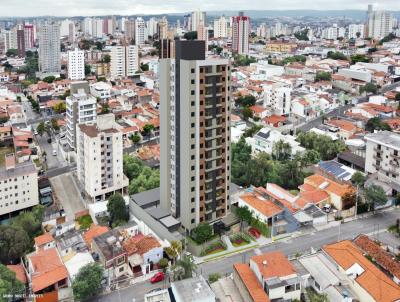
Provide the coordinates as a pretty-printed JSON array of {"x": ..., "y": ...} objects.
[{"x": 355, "y": 212}]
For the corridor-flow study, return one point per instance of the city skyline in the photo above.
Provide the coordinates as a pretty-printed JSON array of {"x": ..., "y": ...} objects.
[{"x": 36, "y": 8}]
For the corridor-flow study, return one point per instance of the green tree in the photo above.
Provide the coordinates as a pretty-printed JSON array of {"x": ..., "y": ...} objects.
[
  {"x": 348, "y": 200},
  {"x": 174, "y": 250},
  {"x": 336, "y": 55},
  {"x": 12, "y": 52},
  {"x": 376, "y": 123},
  {"x": 49, "y": 79},
  {"x": 106, "y": 59},
  {"x": 60, "y": 107},
  {"x": 146, "y": 180},
  {"x": 202, "y": 233},
  {"x": 251, "y": 131},
  {"x": 14, "y": 243},
  {"x": 247, "y": 113},
  {"x": 135, "y": 138},
  {"x": 245, "y": 101},
  {"x": 188, "y": 265},
  {"x": 397, "y": 96},
  {"x": 144, "y": 67},
  {"x": 302, "y": 35},
  {"x": 42, "y": 128},
  {"x": 323, "y": 76},
  {"x": 132, "y": 166},
  {"x": 88, "y": 69},
  {"x": 359, "y": 179},
  {"x": 10, "y": 286},
  {"x": 30, "y": 222},
  {"x": 117, "y": 210},
  {"x": 148, "y": 128},
  {"x": 244, "y": 214},
  {"x": 54, "y": 124},
  {"x": 213, "y": 277},
  {"x": 105, "y": 108},
  {"x": 375, "y": 195},
  {"x": 310, "y": 157},
  {"x": 87, "y": 282},
  {"x": 369, "y": 88},
  {"x": 163, "y": 263},
  {"x": 359, "y": 58},
  {"x": 324, "y": 145},
  {"x": 281, "y": 150}
]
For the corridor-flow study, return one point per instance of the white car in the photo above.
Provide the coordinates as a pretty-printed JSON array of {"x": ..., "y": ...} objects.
[{"x": 55, "y": 152}]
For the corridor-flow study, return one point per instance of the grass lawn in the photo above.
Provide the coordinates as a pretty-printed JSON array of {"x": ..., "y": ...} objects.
[
  {"x": 240, "y": 244},
  {"x": 85, "y": 221},
  {"x": 216, "y": 251},
  {"x": 3, "y": 152}
]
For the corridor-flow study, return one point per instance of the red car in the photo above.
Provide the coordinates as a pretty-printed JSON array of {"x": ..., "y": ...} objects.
[
  {"x": 254, "y": 232},
  {"x": 157, "y": 277}
]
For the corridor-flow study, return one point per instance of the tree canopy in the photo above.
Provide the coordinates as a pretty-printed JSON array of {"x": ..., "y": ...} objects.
[
  {"x": 324, "y": 145},
  {"x": 117, "y": 210},
  {"x": 358, "y": 179},
  {"x": 376, "y": 123},
  {"x": 323, "y": 76},
  {"x": 243, "y": 60},
  {"x": 336, "y": 55},
  {"x": 10, "y": 286},
  {"x": 375, "y": 195},
  {"x": 245, "y": 101},
  {"x": 202, "y": 233},
  {"x": 88, "y": 281},
  {"x": 369, "y": 88},
  {"x": 14, "y": 243}
]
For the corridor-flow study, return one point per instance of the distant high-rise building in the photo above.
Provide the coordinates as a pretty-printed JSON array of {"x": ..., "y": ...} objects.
[
  {"x": 76, "y": 64},
  {"x": 124, "y": 61},
  {"x": 152, "y": 26},
  {"x": 105, "y": 26},
  {"x": 99, "y": 158},
  {"x": 162, "y": 28},
  {"x": 10, "y": 39},
  {"x": 21, "y": 41},
  {"x": 221, "y": 28},
  {"x": 356, "y": 31},
  {"x": 379, "y": 24},
  {"x": 88, "y": 26},
  {"x": 240, "y": 34},
  {"x": 195, "y": 137},
  {"x": 29, "y": 34},
  {"x": 49, "y": 48},
  {"x": 129, "y": 30},
  {"x": 167, "y": 49},
  {"x": 81, "y": 109},
  {"x": 140, "y": 31},
  {"x": 196, "y": 18}
]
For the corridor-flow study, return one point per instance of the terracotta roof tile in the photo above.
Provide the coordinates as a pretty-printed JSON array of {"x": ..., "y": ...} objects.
[
  {"x": 374, "y": 281},
  {"x": 277, "y": 265},
  {"x": 264, "y": 206},
  {"x": 19, "y": 271},
  {"x": 94, "y": 231},
  {"x": 43, "y": 239},
  {"x": 250, "y": 281}
]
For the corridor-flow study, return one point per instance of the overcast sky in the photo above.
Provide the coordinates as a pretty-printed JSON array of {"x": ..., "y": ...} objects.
[{"x": 130, "y": 7}]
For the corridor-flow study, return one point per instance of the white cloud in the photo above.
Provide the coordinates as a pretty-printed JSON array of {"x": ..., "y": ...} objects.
[{"x": 130, "y": 7}]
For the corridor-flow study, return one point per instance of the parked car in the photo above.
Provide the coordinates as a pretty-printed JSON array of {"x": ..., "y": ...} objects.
[
  {"x": 327, "y": 208},
  {"x": 255, "y": 233},
  {"x": 55, "y": 152},
  {"x": 160, "y": 276}
]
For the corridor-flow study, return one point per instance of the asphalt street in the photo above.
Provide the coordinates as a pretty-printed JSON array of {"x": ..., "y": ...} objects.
[{"x": 372, "y": 225}]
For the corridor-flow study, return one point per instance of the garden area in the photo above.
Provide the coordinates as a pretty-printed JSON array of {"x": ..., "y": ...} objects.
[
  {"x": 214, "y": 248},
  {"x": 84, "y": 222},
  {"x": 244, "y": 215},
  {"x": 240, "y": 239}
]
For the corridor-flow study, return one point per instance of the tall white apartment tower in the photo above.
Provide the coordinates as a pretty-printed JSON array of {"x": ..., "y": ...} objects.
[
  {"x": 140, "y": 31},
  {"x": 380, "y": 23},
  {"x": 240, "y": 34},
  {"x": 221, "y": 27},
  {"x": 99, "y": 158},
  {"x": 81, "y": 109},
  {"x": 195, "y": 136},
  {"x": 124, "y": 61},
  {"x": 196, "y": 18},
  {"x": 49, "y": 48},
  {"x": 76, "y": 64}
]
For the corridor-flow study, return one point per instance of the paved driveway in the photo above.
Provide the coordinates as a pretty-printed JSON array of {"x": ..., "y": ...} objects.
[{"x": 68, "y": 194}]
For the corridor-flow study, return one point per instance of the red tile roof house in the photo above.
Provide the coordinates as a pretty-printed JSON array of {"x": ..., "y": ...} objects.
[
  {"x": 47, "y": 274},
  {"x": 269, "y": 277}
]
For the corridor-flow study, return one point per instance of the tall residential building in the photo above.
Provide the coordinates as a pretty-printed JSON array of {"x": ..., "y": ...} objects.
[
  {"x": 49, "y": 48},
  {"x": 240, "y": 34},
  {"x": 29, "y": 36},
  {"x": 380, "y": 23},
  {"x": 76, "y": 64},
  {"x": 19, "y": 186},
  {"x": 356, "y": 31},
  {"x": 21, "y": 41},
  {"x": 196, "y": 18},
  {"x": 88, "y": 26},
  {"x": 152, "y": 25},
  {"x": 81, "y": 109},
  {"x": 195, "y": 136},
  {"x": 383, "y": 155},
  {"x": 129, "y": 30},
  {"x": 99, "y": 158},
  {"x": 140, "y": 31},
  {"x": 124, "y": 61},
  {"x": 10, "y": 39},
  {"x": 162, "y": 28},
  {"x": 221, "y": 28}
]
